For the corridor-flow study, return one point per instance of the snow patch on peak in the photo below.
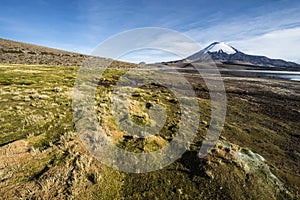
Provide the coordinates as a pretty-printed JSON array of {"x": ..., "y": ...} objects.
[{"x": 220, "y": 47}]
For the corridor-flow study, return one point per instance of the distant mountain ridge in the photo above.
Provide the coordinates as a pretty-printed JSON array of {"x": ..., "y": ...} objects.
[{"x": 222, "y": 53}]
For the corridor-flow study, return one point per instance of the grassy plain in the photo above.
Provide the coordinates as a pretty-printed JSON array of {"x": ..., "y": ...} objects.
[{"x": 42, "y": 156}]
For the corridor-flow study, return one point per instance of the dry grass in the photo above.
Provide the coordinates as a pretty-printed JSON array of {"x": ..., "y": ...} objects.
[{"x": 42, "y": 157}]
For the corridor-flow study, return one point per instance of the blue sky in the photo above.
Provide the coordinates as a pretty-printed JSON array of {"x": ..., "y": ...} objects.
[{"x": 270, "y": 28}]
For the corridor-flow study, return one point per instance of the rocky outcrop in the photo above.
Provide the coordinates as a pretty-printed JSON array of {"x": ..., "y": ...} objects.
[{"x": 241, "y": 171}]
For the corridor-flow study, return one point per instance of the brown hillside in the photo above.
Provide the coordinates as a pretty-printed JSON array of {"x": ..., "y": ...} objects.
[{"x": 21, "y": 53}]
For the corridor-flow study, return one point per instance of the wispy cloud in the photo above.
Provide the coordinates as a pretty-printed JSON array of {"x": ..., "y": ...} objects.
[
  {"x": 251, "y": 30},
  {"x": 275, "y": 34},
  {"x": 137, "y": 40},
  {"x": 82, "y": 25},
  {"x": 284, "y": 44},
  {"x": 245, "y": 27}
]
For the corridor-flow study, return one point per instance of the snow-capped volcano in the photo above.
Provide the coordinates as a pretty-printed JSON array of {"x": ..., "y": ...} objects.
[
  {"x": 222, "y": 53},
  {"x": 221, "y": 47}
]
